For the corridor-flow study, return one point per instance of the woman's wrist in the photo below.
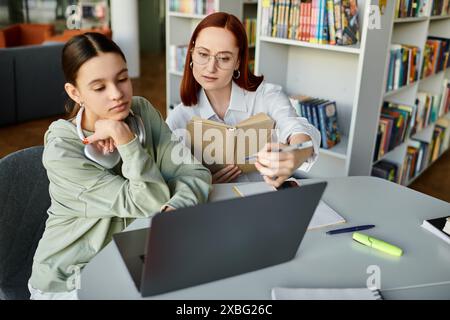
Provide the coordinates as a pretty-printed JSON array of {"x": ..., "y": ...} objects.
[{"x": 301, "y": 155}]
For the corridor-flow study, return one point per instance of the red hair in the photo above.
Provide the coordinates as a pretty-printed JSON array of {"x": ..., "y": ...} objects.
[{"x": 189, "y": 86}]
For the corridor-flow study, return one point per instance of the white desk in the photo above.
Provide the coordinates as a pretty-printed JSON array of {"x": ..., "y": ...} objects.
[{"x": 322, "y": 261}]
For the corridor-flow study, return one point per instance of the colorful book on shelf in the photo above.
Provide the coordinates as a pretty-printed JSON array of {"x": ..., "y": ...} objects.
[
  {"x": 292, "y": 15},
  {"x": 412, "y": 112},
  {"x": 385, "y": 125},
  {"x": 350, "y": 22},
  {"x": 436, "y": 143},
  {"x": 440, "y": 8},
  {"x": 314, "y": 21},
  {"x": 405, "y": 117},
  {"x": 338, "y": 21},
  {"x": 322, "y": 31},
  {"x": 265, "y": 17},
  {"x": 425, "y": 8},
  {"x": 396, "y": 129},
  {"x": 307, "y": 21},
  {"x": 403, "y": 63},
  {"x": 331, "y": 22},
  {"x": 391, "y": 68},
  {"x": 408, "y": 114},
  {"x": 381, "y": 137},
  {"x": 322, "y": 114},
  {"x": 199, "y": 7},
  {"x": 421, "y": 153},
  {"x": 274, "y": 18},
  {"x": 329, "y": 127},
  {"x": 410, "y": 8},
  {"x": 413, "y": 153},
  {"x": 334, "y": 22}
]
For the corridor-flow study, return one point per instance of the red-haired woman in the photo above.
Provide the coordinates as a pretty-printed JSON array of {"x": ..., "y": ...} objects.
[{"x": 217, "y": 85}]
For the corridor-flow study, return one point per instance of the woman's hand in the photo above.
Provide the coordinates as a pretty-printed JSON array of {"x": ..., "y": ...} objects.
[
  {"x": 227, "y": 174},
  {"x": 276, "y": 167},
  {"x": 105, "y": 146},
  {"x": 110, "y": 133}
]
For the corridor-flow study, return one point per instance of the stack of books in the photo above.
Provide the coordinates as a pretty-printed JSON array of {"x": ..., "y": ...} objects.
[
  {"x": 334, "y": 22},
  {"x": 416, "y": 160},
  {"x": 440, "y": 8},
  {"x": 440, "y": 140},
  {"x": 428, "y": 109},
  {"x": 431, "y": 107},
  {"x": 421, "y": 154},
  {"x": 435, "y": 56},
  {"x": 322, "y": 114},
  {"x": 411, "y": 8},
  {"x": 386, "y": 170},
  {"x": 396, "y": 123},
  {"x": 199, "y": 7},
  {"x": 404, "y": 61}
]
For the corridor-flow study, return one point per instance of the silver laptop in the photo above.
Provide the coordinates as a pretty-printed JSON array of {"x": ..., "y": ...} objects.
[{"x": 208, "y": 242}]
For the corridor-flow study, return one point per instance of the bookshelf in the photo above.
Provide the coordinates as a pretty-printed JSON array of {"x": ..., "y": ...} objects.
[
  {"x": 353, "y": 76},
  {"x": 179, "y": 28},
  {"x": 415, "y": 31}
]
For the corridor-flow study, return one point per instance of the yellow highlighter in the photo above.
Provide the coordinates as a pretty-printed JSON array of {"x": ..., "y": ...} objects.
[{"x": 377, "y": 244}]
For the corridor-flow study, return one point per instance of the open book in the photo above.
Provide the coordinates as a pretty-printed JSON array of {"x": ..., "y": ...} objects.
[
  {"x": 217, "y": 144},
  {"x": 324, "y": 216}
]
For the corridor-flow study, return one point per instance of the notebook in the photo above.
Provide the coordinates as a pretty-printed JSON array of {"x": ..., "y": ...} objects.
[
  {"x": 279, "y": 293},
  {"x": 324, "y": 215},
  {"x": 439, "y": 227},
  {"x": 220, "y": 144}
]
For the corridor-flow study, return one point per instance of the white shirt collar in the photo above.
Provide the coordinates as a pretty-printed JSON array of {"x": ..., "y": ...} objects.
[{"x": 237, "y": 102}]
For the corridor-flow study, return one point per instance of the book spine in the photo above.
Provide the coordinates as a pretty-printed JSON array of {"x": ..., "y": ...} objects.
[
  {"x": 323, "y": 133},
  {"x": 314, "y": 116},
  {"x": 338, "y": 21},
  {"x": 331, "y": 23}
]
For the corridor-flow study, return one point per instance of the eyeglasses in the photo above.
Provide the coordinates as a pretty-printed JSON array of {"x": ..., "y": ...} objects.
[{"x": 224, "y": 60}]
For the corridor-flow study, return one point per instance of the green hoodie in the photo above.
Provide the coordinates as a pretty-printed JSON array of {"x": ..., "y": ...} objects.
[{"x": 90, "y": 203}]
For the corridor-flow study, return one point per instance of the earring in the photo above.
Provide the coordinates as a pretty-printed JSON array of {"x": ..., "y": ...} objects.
[
  {"x": 238, "y": 74},
  {"x": 191, "y": 64}
]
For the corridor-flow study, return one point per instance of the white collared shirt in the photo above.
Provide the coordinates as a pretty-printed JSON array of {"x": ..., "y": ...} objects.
[{"x": 268, "y": 99}]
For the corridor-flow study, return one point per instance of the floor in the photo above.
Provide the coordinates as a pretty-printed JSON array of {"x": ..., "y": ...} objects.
[{"x": 435, "y": 181}]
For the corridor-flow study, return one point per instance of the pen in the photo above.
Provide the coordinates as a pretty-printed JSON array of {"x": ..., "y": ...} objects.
[
  {"x": 299, "y": 146},
  {"x": 351, "y": 229}
]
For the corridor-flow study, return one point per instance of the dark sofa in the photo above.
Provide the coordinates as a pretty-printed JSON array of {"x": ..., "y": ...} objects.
[{"x": 31, "y": 82}]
